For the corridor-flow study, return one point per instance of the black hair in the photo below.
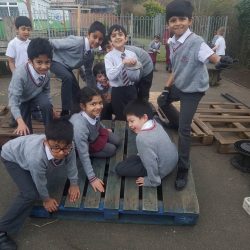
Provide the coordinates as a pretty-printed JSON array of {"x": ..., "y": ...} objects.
[
  {"x": 87, "y": 94},
  {"x": 22, "y": 21},
  {"x": 97, "y": 26},
  {"x": 39, "y": 46},
  {"x": 116, "y": 27},
  {"x": 105, "y": 42},
  {"x": 99, "y": 68},
  {"x": 60, "y": 130},
  {"x": 139, "y": 108}
]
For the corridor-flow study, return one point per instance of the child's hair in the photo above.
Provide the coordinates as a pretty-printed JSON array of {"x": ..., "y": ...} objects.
[
  {"x": 60, "y": 130},
  {"x": 179, "y": 8},
  {"x": 87, "y": 94},
  {"x": 221, "y": 31},
  {"x": 39, "y": 46},
  {"x": 105, "y": 42},
  {"x": 139, "y": 108},
  {"x": 97, "y": 26},
  {"x": 116, "y": 27},
  {"x": 99, "y": 68},
  {"x": 157, "y": 37},
  {"x": 22, "y": 21}
]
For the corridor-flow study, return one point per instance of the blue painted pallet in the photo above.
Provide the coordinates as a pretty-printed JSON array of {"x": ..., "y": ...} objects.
[{"x": 123, "y": 201}]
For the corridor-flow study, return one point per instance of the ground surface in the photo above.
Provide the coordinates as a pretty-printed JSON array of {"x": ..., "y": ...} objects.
[{"x": 222, "y": 225}]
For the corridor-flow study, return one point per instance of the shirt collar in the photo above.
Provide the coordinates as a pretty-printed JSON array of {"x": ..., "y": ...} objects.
[
  {"x": 148, "y": 125},
  {"x": 182, "y": 38},
  {"x": 87, "y": 46},
  {"x": 34, "y": 74},
  {"x": 91, "y": 120},
  {"x": 48, "y": 153}
]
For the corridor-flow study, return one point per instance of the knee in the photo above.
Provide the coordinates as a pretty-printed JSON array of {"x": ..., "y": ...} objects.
[
  {"x": 119, "y": 169},
  {"x": 30, "y": 196},
  {"x": 111, "y": 150}
]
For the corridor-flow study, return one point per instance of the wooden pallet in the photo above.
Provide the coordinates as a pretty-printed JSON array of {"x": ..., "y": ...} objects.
[{"x": 123, "y": 201}]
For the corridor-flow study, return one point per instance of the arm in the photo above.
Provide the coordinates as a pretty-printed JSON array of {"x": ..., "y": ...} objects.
[
  {"x": 11, "y": 62},
  {"x": 88, "y": 65}
]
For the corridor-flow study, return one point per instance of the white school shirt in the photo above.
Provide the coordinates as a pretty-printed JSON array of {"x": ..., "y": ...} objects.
[
  {"x": 220, "y": 45},
  {"x": 34, "y": 74},
  {"x": 114, "y": 66},
  {"x": 17, "y": 49},
  {"x": 204, "y": 52}
]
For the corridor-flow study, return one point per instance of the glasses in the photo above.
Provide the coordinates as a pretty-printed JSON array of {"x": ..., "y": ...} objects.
[{"x": 65, "y": 150}]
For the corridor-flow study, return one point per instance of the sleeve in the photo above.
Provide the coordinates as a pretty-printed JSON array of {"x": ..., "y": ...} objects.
[
  {"x": 88, "y": 65},
  {"x": 72, "y": 172},
  {"x": 46, "y": 90},
  {"x": 62, "y": 44},
  {"x": 10, "y": 51},
  {"x": 150, "y": 162},
  {"x": 204, "y": 53}
]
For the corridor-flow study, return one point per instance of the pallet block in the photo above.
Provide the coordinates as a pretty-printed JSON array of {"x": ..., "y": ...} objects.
[{"x": 123, "y": 201}]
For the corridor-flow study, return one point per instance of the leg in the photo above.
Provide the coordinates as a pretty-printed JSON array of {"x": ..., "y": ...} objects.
[
  {"x": 114, "y": 139},
  {"x": 25, "y": 108},
  {"x": 108, "y": 151},
  {"x": 144, "y": 86},
  {"x": 132, "y": 166},
  {"x": 20, "y": 209}
]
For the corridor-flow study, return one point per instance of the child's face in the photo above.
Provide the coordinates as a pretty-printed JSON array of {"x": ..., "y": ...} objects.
[
  {"x": 95, "y": 39},
  {"x": 94, "y": 107},
  {"x": 118, "y": 39},
  {"x": 23, "y": 32},
  {"x": 157, "y": 40},
  {"x": 41, "y": 64},
  {"x": 135, "y": 123},
  {"x": 179, "y": 25},
  {"x": 102, "y": 79},
  {"x": 59, "y": 149}
]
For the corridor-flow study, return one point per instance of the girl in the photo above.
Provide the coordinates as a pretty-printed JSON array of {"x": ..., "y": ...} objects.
[{"x": 90, "y": 136}]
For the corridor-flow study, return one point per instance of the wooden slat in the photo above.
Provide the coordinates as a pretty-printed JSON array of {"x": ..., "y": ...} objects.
[
  {"x": 131, "y": 190},
  {"x": 184, "y": 201},
  {"x": 221, "y": 110},
  {"x": 149, "y": 199},
  {"x": 112, "y": 195}
]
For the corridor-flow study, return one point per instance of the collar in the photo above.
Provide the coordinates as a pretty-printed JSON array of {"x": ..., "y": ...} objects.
[
  {"x": 119, "y": 52},
  {"x": 22, "y": 41},
  {"x": 91, "y": 120},
  {"x": 148, "y": 125},
  {"x": 48, "y": 153},
  {"x": 99, "y": 86},
  {"x": 182, "y": 38},
  {"x": 87, "y": 46},
  {"x": 34, "y": 74}
]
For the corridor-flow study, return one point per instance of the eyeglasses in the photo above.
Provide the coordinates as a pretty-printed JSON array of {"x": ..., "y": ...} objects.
[{"x": 57, "y": 149}]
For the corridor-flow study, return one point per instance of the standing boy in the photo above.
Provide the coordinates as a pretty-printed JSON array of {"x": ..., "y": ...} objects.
[
  {"x": 123, "y": 70},
  {"x": 71, "y": 53},
  {"x": 157, "y": 155},
  {"x": 30, "y": 86},
  {"x": 189, "y": 79},
  {"x": 28, "y": 159},
  {"x": 220, "y": 44}
]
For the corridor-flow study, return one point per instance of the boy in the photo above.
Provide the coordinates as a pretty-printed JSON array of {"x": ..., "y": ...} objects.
[
  {"x": 220, "y": 44},
  {"x": 146, "y": 77},
  {"x": 123, "y": 70},
  {"x": 157, "y": 155},
  {"x": 154, "y": 49},
  {"x": 103, "y": 86},
  {"x": 189, "y": 79},
  {"x": 71, "y": 53},
  {"x": 28, "y": 159},
  {"x": 17, "y": 47},
  {"x": 30, "y": 86}
]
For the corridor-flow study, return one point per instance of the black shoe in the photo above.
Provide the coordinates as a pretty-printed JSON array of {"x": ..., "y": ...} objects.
[
  {"x": 181, "y": 179},
  {"x": 6, "y": 243}
]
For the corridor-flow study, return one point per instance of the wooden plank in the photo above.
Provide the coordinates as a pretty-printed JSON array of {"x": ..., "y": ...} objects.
[
  {"x": 239, "y": 125},
  {"x": 131, "y": 190},
  {"x": 226, "y": 119},
  {"x": 112, "y": 195},
  {"x": 221, "y": 110},
  {"x": 149, "y": 199},
  {"x": 184, "y": 201}
]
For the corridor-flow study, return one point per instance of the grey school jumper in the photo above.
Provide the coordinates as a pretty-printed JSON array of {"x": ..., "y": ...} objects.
[
  {"x": 22, "y": 89},
  {"x": 29, "y": 153},
  {"x": 157, "y": 153}
]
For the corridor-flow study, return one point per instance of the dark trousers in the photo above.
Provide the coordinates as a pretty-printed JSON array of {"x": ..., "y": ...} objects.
[
  {"x": 144, "y": 85},
  {"x": 110, "y": 147},
  {"x": 120, "y": 97},
  {"x": 106, "y": 111},
  {"x": 131, "y": 167},
  {"x": 43, "y": 102},
  {"x": 20, "y": 209},
  {"x": 70, "y": 88},
  {"x": 188, "y": 106}
]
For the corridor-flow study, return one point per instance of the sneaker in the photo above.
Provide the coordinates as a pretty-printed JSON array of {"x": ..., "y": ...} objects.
[
  {"x": 181, "y": 179},
  {"x": 6, "y": 243}
]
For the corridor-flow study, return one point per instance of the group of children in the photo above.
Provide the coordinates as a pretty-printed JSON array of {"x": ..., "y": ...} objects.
[{"x": 126, "y": 70}]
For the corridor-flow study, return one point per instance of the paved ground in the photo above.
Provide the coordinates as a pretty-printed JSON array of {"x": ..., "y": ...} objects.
[{"x": 222, "y": 225}]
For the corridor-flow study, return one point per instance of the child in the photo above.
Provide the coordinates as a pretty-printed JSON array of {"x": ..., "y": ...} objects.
[
  {"x": 146, "y": 77},
  {"x": 103, "y": 86},
  {"x": 220, "y": 44},
  {"x": 189, "y": 79},
  {"x": 90, "y": 137},
  {"x": 123, "y": 70},
  {"x": 28, "y": 159},
  {"x": 30, "y": 86},
  {"x": 17, "y": 47},
  {"x": 166, "y": 37},
  {"x": 154, "y": 49},
  {"x": 71, "y": 53},
  {"x": 157, "y": 155}
]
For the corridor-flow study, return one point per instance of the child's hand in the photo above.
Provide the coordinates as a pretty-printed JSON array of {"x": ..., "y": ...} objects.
[
  {"x": 129, "y": 61},
  {"x": 50, "y": 205},
  {"x": 110, "y": 130},
  {"x": 74, "y": 193},
  {"x": 98, "y": 185},
  {"x": 22, "y": 128},
  {"x": 56, "y": 115},
  {"x": 140, "y": 181}
]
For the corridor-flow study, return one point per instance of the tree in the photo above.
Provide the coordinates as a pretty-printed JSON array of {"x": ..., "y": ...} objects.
[{"x": 153, "y": 8}]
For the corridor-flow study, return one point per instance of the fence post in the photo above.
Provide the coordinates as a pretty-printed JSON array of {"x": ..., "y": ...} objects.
[
  {"x": 48, "y": 25},
  {"x": 79, "y": 20},
  {"x": 208, "y": 29},
  {"x": 132, "y": 28}
]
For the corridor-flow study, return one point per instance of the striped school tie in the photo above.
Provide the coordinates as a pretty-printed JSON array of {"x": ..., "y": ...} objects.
[{"x": 125, "y": 79}]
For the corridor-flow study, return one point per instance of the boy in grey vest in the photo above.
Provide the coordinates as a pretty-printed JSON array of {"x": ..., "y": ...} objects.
[
  {"x": 28, "y": 160},
  {"x": 157, "y": 154},
  {"x": 188, "y": 80}
]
